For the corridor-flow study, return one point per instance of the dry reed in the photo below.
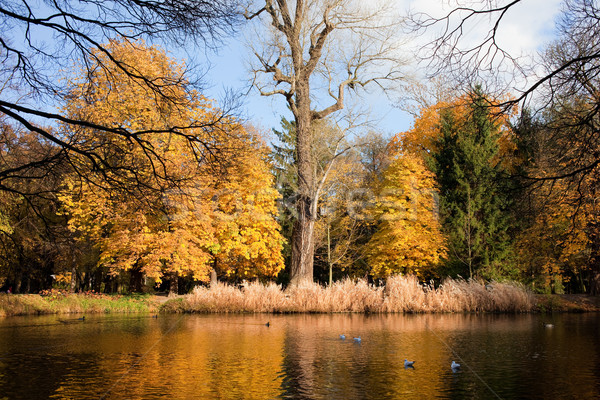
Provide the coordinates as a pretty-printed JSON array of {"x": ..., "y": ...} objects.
[{"x": 400, "y": 294}]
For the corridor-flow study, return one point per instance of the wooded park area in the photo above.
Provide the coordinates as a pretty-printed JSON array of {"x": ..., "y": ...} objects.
[{"x": 118, "y": 174}]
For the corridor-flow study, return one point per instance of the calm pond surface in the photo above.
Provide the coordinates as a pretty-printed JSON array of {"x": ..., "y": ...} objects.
[{"x": 300, "y": 357}]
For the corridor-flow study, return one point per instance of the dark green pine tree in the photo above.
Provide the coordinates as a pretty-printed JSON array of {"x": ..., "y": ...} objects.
[
  {"x": 284, "y": 161},
  {"x": 474, "y": 200}
]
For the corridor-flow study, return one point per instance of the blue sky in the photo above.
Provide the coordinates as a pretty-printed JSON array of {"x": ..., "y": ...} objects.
[
  {"x": 229, "y": 72},
  {"x": 525, "y": 29}
]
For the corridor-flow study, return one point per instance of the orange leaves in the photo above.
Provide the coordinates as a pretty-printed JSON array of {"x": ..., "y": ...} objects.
[
  {"x": 158, "y": 123},
  {"x": 423, "y": 137},
  {"x": 185, "y": 208},
  {"x": 246, "y": 229},
  {"x": 425, "y": 132},
  {"x": 408, "y": 237},
  {"x": 225, "y": 219}
]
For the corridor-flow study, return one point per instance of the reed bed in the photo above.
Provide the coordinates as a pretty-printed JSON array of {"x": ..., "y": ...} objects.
[
  {"x": 222, "y": 298},
  {"x": 401, "y": 294}
]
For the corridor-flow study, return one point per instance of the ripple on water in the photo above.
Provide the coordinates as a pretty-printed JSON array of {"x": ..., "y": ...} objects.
[{"x": 300, "y": 356}]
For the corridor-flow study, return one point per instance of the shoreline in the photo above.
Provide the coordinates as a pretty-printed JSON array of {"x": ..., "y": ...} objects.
[
  {"x": 567, "y": 303},
  {"x": 35, "y": 304}
]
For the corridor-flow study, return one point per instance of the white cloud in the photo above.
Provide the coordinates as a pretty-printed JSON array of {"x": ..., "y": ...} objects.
[
  {"x": 526, "y": 28},
  {"x": 529, "y": 25}
]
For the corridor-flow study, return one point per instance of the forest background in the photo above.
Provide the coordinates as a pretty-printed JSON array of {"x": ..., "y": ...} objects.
[{"x": 117, "y": 174}]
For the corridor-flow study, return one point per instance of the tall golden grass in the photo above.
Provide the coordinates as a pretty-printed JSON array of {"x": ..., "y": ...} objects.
[{"x": 401, "y": 294}]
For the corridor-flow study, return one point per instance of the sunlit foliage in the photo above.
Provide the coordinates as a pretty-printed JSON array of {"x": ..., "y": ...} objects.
[
  {"x": 187, "y": 211},
  {"x": 408, "y": 237}
]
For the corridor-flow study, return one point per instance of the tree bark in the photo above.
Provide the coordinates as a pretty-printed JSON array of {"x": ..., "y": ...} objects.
[
  {"x": 303, "y": 244},
  {"x": 595, "y": 283},
  {"x": 213, "y": 276},
  {"x": 174, "y": 285},
  {"x": 135, "y": 279},
  {"x": 329, "y": 255},
  {"x": 73, "y": 277},
  {"x": 302, "y": 251}
]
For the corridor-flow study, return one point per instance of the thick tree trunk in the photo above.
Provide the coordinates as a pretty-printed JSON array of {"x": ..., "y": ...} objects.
[
  {"x": 135, "y": 279},
  {"x": 73, "y": 277},
  {"x": 595, "y": 283},
  {"x": 303, "y": 249},
  {"x": 17, "y": 288},
  {"x": 303, "y": 245},
  {"x": 97, "y": 282},
  {"x": 174, "y": 285},
  {"x": 213, "y": 276}
]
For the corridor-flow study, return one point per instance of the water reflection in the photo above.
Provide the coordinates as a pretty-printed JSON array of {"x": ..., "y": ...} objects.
[{"x": 300, "y": 356}]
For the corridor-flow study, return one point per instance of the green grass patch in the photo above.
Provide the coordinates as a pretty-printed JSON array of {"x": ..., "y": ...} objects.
[{"x": 57, "y": 302}]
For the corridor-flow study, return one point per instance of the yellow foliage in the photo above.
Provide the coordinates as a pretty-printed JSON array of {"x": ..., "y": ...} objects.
[
  {"x": 63, "y": 278},
  {"x": 187, "y": 210},
  {"x": 555, "y": 245},
  {"x": 249, "y": 237},
  {"x": 408, "y": 237}
]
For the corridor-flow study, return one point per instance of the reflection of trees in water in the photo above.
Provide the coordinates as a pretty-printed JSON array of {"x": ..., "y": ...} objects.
[
  {"x": 301, "y": 356},
  {"x": 173, "y": 357},
  {"x": 317, "y": 364},
  {"x": 297, "y": 369},
  {"x": 566, "y": 356},
  {"x": 314, "y": 363}
]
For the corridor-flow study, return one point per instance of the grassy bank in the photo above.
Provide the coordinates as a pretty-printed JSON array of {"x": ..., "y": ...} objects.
[
  {"x": 400, "y": 294},
  {"x": 567, "y": 303},
  {"x": 56, "y": 302}
]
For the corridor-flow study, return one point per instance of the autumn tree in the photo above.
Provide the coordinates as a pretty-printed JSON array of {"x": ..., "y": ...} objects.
[
  {"x": 564, "y": 77},
  {"x": 326, "y": 47},
  {"x": 573, "y": 118},
  {"x": 336, "y": 231},
  {"x": 556, "y": 247},
  {"x": 43, "y": 39},
  {"x": 217, "y": 207},
  {"x": 347, "y": 169},
  {"x": 32, "y": 236},
  {"x": 408, "y": 238},
  {"x": 558, "y": 140},
  {"x": 336, "y": 171},
  {"x": 244, "y": 209},
  {"x": 552, "y": 246},
  {"x": 116, "y": 205}
]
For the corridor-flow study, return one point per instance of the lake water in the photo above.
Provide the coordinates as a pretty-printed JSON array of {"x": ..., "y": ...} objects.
[{"x": 300, "y": 357}]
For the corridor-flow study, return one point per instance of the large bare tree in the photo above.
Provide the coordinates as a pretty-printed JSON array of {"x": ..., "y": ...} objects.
[{"x": 313, "y": 53}]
